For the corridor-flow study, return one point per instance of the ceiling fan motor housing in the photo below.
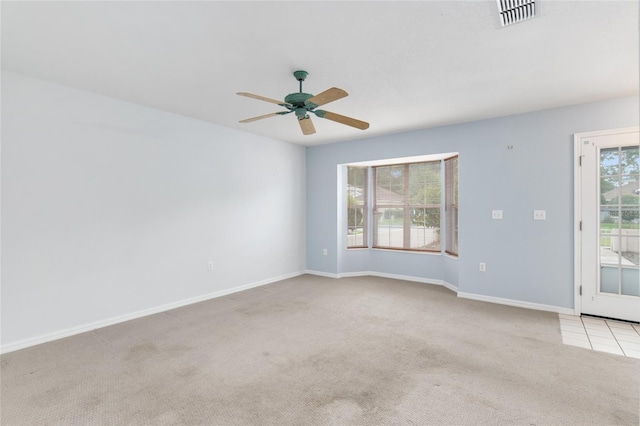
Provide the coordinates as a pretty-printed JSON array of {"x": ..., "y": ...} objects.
[
  {"x": 299, "y": 104},
  {"x": 297, "y": 99}
]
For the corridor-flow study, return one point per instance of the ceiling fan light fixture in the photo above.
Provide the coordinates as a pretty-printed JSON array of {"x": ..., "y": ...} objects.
[{"x": 514, "y": 11}]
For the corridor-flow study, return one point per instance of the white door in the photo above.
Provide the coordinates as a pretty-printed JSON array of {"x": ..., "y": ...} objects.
[{"x": 607, "y": 195}]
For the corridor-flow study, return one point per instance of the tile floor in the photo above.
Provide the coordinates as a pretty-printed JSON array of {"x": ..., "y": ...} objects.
[{"x": 616, "y": 337}]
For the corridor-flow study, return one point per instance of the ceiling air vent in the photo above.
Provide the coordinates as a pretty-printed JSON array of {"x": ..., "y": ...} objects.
[{"x": 513, "y": 11}]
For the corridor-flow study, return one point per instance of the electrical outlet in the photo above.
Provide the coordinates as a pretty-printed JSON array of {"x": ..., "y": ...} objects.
[
  {"x": 496, "y": 214},
  {"x": 210, "y": 265},
  {"x": 483, "y": 267},
  {"x": 539, "y": 215},
  {"x": 324, "y": 252}
]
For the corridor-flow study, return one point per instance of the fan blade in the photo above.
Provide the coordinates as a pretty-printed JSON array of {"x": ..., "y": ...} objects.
[
  {"x": 327, "y": 96},
  {"x": 249, "y": 120},
  {"x": 307, "y": 126},
  {"x": 362, "y": 125},
  {"x": 262, "y": 98}
]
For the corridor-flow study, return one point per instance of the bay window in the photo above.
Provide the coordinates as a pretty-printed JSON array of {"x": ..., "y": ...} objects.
[{"x": 409, "y": 205}]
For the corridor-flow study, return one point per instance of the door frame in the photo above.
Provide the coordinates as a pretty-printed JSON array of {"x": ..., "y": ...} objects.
[{"x": 577, "y": 208}]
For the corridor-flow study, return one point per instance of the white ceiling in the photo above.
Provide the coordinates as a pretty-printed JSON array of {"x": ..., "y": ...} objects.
[{"x": 406, "y": 65}]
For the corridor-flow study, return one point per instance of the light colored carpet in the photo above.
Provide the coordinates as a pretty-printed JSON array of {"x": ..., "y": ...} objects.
[{"x": 320, "y": 351}]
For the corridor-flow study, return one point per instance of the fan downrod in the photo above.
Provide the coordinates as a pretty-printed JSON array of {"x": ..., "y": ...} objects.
[
  {"x": 300, "y": 76},
  {"x": 297, "y": 100}
]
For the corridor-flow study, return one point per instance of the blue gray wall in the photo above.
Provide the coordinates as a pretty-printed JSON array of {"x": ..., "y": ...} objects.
[{"x": 528, "y": 261}]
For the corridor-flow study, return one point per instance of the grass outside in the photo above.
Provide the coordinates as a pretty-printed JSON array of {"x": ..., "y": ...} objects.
[
  {"x": 610, "y": 226},
  {"x": 607, "y": 231},
  {"x": 394, "y": 221}
]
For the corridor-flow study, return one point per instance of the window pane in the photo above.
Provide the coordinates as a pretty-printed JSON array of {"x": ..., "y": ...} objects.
[
  {"x": 425, "y": 184},
  {"x": 452, "y": 244},
  {"x": 630, "y": 282},
  {"x": 389, "y": 206},
  {"x": 355, "y": 232},
  {"x": 629, "y": 247},
  {"x": 390, "y": 185},
  {"x": 389, "y": 227},
  {"x": 609, "y": 219},
  {"x": 629, "y": 216},
  {"x": 609, "y": 224},
  {"x": 451, "y": 204},
  {"x": 356, "y": 176},
  {"x": 356, "y": 206},
  {"x": 425, "y": 229}
]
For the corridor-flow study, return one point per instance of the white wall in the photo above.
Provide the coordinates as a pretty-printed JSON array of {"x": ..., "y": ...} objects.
[{"x": 111, "y": 209}]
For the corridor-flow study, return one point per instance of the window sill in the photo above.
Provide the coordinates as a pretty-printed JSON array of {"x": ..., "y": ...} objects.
[{"x": 431, "y": 253}]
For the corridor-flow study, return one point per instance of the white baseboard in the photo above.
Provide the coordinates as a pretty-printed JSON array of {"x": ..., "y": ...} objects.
[
  {"x": 21, "y": 344},
  {"x": 453, "y": 288},
  {"x": 394, "y": 277},
  {"x": 385, "y": 275},
  {"x": 516, "y": 303},
  {"x": 321, "y": 274}
]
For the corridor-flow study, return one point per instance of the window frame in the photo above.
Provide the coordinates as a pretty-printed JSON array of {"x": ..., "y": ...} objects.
[
  {"x": 407, "y": 206},
  {"x": 446, "y": 227},
  {"x": 364, "y": 205},
  {"x": 452, "y": 205}
]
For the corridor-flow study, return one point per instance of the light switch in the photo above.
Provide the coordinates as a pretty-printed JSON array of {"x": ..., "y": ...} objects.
[
  {"x": 539, "y": 215},
  {"x": 496, "y": 214}
]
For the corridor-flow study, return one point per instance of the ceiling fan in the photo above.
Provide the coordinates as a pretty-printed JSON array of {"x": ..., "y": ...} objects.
[{"x": 304, "y": 103}]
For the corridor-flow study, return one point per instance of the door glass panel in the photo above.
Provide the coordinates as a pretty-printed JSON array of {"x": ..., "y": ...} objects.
[
  {"x": 609, "y": 224},
  {"x": 619, "y": 220},
  {"x": 609, "y": 190},
  {"x": 630, "y": 282},
  {"x": 609, "y": 279}
]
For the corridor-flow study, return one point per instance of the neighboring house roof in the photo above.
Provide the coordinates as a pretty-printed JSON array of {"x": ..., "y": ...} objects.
[
  {"x": 383, "y": 195},
  {"x": 630, "y": 188}
]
